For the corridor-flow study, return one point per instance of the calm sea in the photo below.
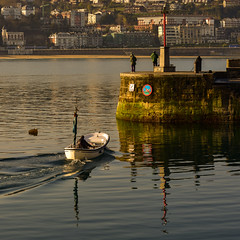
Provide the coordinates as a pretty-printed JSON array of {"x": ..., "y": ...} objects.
[{"x": 155, "y": 181}]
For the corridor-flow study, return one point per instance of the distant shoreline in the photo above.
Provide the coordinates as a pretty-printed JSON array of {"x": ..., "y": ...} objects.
[
  {"x": 111, "y": 53},
  {"x": 36, "y": 57}
]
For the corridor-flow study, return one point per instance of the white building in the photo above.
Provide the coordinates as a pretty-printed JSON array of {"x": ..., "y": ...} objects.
[
  {"x": 74, "y": 1},
  {"x": 55, "y": 12},
  {"x": 28, "y": 10},
  {"x": 195, "y": 1},
  {"x": 75, "y": 40},
  {"x": 64, "y": 40},
  {"x": 171, "y": 20},
  {"x": 11, "y": 12},
  {"x": 121, "y": 1},
  {"x": 188, "y": 34},
  {"x": 231, "y": 3},
  {"x": 94, "y": 18},
  {"x": 117, "y": 28},
  {"x": 96, "y": 2},
  {"x": 230, "y": 23},
  {"x": 12, "y": 38}
]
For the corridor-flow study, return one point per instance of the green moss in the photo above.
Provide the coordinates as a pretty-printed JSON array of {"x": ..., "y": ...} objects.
[{"x": 176, "y": 98}]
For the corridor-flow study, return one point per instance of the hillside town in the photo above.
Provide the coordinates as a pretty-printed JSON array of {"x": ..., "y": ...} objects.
[{"x": 74, "y": 24}]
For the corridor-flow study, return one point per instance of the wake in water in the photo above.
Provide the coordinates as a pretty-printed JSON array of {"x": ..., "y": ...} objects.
[{"x": 21, "y": 174}]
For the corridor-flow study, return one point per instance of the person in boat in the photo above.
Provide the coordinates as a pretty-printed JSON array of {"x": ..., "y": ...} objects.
[{"x": 82, "y": 143}]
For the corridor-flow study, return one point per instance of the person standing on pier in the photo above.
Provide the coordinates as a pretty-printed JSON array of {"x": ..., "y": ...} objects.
[
  {"x": 133, "y": 61},
  {"x": 198, "y": 65},
  {"x": 154, "y": 58}
]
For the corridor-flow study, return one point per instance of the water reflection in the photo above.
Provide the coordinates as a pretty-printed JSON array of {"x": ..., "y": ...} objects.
[
  {"x": 177, "y": 154},
  {"x": 82, "y": 171},
  {"x": 177, "y": 148}
]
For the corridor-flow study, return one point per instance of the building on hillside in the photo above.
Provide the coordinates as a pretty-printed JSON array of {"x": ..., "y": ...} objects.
[
  {"x": 188, "y": 34},
  {"x": 122, "y": 1},
  {"x": 76, "y": 40},
  {"x": 196, "y": 1},
  {"x": 97, "y": 2},
  {"x": 75, "y": 18},
  {"x": 56, "y": 19},
  {"x": 231, "y": 3},
  {"x": 230, "y": 23},
  {"x": 175, "y": 6},
  {"x": 64, "y": 40},
  {"x": 94, "y": 18},
  {"x": 130, "y": 39},
  {"x": 74, "y": 2},
  {"x": 94, "y": 40},
  {"x": 12, "y": 38},
  {"x": 55, "y": 12},
  {"x": 117, "y": 28},
  {"x": 78, "y": 18},
  {"x": 11, "y": 12},
  {"x": 66, "y": 15},
  {"x": 235, "y": 37},
  {"x": 170, "y": 20},
  {"x": 28, "y": 10}
]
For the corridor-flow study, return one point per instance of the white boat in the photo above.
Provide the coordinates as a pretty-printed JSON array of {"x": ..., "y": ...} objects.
[{"x": 98, "y": 142}]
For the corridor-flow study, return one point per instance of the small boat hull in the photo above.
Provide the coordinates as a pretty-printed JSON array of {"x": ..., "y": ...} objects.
[
  {"x": 98, "y": 140},
  {"x": 77, "y": 153}
]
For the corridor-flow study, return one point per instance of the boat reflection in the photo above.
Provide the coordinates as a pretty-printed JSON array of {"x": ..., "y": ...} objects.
[{"x": 81, "y": 170}]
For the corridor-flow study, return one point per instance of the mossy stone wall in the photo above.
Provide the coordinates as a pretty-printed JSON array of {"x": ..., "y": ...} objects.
[{"x": 177, "y": 97}]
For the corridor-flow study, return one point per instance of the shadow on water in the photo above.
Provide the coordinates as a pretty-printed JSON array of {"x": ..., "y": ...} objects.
[{"x": 178, "y": 152}]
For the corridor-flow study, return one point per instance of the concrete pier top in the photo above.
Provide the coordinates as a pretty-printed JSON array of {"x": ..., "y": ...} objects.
[{"x": 147, "y": 73}]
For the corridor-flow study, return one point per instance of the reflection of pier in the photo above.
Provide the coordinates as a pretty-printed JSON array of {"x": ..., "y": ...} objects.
[
  {"x": 173, "y": 152},
  {"x": 179, "y": 147},
  {"x": 159, "y": 172}
]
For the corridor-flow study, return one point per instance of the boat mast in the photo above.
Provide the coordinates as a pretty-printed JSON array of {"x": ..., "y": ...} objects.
[{"x": 75, "y": 126}]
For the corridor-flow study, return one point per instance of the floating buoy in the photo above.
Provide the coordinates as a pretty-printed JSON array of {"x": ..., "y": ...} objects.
[{"x": 33, "y": 132}]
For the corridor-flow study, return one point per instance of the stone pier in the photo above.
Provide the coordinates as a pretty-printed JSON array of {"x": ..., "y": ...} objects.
[{"x": 181, "y": 96}]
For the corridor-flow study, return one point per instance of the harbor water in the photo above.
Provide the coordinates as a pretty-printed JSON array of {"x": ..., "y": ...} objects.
[{"x": 155, "y": 181}]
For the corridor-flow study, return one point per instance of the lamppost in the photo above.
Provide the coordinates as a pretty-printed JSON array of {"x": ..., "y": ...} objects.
[
  {"x": 164, "y": 11},
  {"x": 165, "y": 65}
]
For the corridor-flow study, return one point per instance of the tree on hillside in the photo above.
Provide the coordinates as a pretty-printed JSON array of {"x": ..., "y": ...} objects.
[{"x": 108, "y": 19}]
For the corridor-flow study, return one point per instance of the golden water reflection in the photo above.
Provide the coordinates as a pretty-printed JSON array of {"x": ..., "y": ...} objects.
[
  {"x": 183, "y": 148},
  {"x": 176, "y": 153}
]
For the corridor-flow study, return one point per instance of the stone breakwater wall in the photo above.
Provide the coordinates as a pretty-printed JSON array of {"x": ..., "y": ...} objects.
[
  {"x": 188, "y": 51},
  {"x": 142, "y": 51},
  {"x": 179, "y": 97}
]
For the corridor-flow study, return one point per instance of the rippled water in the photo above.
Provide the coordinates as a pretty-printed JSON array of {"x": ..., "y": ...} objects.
[{"x": 155, "y": 181}]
